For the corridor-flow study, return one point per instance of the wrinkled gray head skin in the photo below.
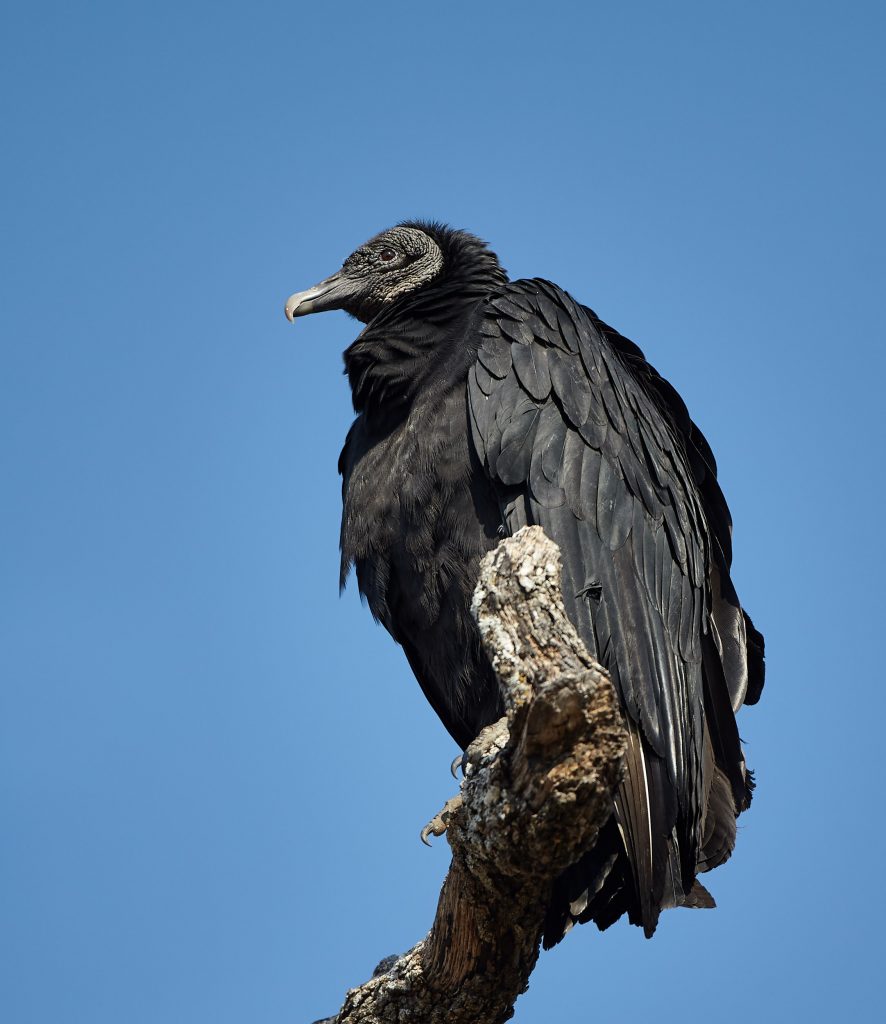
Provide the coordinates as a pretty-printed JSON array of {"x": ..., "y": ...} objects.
[{"x": 394, "y": 263}]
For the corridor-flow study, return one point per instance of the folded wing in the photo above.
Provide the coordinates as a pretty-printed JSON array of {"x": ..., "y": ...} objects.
[{"x": 582, "y": 437}]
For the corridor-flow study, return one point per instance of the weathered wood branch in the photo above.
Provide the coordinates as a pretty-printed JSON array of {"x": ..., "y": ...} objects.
[{"x": 538, "y": 786}]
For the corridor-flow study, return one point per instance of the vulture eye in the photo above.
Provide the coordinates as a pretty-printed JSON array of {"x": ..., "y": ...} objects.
[{"x": 387, "y": 254}]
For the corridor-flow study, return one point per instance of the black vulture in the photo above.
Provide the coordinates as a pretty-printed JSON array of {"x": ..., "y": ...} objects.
[{"x": 484, "y": 405}]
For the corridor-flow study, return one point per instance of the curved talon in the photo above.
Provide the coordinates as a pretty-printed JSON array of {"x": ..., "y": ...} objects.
[
  {"x": 458, "y": 762},
  {"x": 437, "y": 825}
]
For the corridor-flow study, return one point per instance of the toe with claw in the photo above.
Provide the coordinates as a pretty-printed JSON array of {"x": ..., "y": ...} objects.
[{"x": 438, "y": 824}]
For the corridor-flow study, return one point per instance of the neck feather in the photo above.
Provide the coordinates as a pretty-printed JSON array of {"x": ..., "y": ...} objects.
[{"x": 392, "y": 359}]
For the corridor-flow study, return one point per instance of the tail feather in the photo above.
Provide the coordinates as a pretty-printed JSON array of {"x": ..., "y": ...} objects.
[
  {"x": 581, "y": 887},
  {"x": 646, "y": 812}
]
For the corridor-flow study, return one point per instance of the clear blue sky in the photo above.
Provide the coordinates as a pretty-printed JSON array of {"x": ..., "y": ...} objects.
[{"x": 213, "y": 771}]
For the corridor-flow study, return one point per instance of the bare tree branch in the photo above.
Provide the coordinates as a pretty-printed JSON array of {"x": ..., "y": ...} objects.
[{"x": 538, "y": 786}]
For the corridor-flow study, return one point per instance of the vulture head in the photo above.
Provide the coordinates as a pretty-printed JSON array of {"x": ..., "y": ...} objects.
[{"x": 400, "y": 261}]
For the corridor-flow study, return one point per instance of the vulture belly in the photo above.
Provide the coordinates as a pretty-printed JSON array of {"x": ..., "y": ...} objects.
[{"x": 418, "y": 517}]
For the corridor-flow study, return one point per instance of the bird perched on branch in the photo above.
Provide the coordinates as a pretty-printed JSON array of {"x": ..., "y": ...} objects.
[{"x": 484, "y": 405}]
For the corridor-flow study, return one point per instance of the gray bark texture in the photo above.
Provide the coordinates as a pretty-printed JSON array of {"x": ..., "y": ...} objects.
[{"x": 538, "y": 786}]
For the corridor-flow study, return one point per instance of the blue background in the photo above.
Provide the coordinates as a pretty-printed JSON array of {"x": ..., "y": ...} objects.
[{"x": 212, "y": 770}]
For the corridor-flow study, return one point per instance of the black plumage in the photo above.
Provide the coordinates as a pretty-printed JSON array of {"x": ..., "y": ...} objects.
[{"x": 484, "y": 405}]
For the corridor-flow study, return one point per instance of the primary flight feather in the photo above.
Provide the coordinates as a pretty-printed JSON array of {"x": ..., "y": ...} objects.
[{"x": 484, "y": 405}]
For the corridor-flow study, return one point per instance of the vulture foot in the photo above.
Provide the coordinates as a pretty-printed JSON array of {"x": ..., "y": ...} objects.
[{"x": 437, "y": 825}]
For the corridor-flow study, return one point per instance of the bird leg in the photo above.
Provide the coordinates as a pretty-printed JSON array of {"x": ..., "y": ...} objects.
[{"x": 437, "y": 825}]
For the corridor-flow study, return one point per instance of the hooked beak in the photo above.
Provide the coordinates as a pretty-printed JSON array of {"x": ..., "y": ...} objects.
[{"x": 332, "y": 293}]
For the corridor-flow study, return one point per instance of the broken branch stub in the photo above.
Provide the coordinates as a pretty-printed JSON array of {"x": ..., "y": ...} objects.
[{"x": 538, "y": 786}]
